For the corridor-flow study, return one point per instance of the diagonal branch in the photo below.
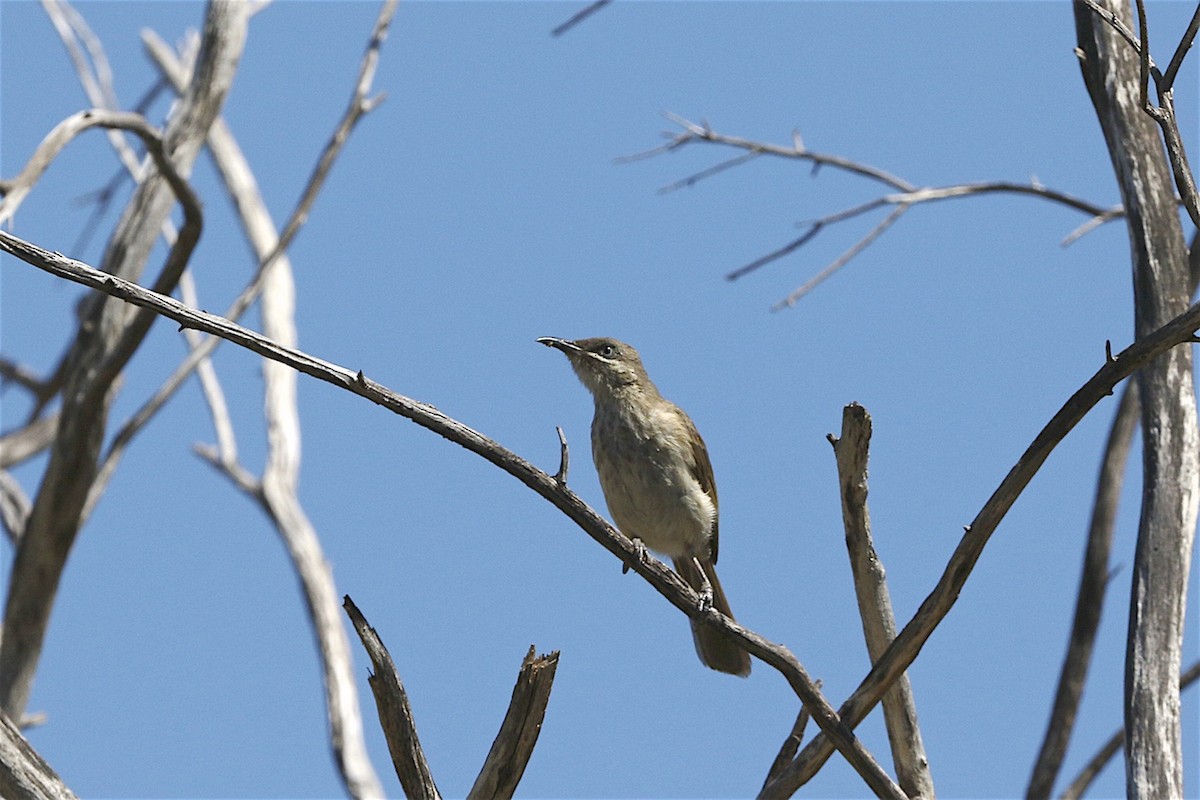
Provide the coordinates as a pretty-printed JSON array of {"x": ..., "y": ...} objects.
[
  {"x": 513, "y": 746},
  {"x": 395, "y": 713},
  {"x": 580, "y": 16}
]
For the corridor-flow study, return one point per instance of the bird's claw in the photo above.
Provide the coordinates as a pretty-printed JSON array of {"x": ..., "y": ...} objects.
[{"x": 640, "y": 554}]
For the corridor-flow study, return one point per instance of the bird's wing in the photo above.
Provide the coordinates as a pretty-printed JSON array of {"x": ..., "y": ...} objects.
[{"x": 702, "y": 471}]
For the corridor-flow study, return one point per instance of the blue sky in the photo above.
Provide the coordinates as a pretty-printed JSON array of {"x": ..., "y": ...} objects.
[{"x": 480, "y": 207}]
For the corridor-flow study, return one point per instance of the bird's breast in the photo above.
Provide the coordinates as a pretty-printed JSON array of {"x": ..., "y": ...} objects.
[{"x": 644, "y": 463}]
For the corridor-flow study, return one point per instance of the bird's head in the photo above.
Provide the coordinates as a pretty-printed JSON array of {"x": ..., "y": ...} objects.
[{"x": 604, "y": 365}]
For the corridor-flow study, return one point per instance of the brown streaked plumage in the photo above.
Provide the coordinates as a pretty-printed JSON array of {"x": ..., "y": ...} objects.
[{"x": 656, "y": 476}]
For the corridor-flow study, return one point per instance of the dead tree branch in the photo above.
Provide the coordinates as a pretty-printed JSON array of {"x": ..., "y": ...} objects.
[
  {"x": 395, "y": 713},
  {"x": 937, "y": 605},
  {"x": 1090, "y": 601},
  {"x": 875, "y": 602},
  {"x": 1112, "y": 72},
  {"x": 106, "y": 340},
  {"x": 513, "y": 746}
]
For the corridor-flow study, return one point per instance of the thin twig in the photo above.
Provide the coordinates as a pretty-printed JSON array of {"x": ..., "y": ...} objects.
[
  {"x": 906, "y": 194},
  {"x": 1185, "y": 43},
  {"x": 580, "y": 16},
  {"x": 564, "y": 456},
  {"x": 791, "y": 744},
  {"x": 841, "y": 260}
]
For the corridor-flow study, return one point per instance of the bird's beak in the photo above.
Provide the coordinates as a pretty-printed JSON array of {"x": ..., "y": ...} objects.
[{"x": 560, "y": 344}]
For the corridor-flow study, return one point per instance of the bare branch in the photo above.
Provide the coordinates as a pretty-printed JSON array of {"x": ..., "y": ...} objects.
[
  {"x": 1090, "y": 602},
  {"x": 795, "y": 244},
  {"x": 841, "y": 260},
  {"x": 513, "y": 746},
  {"x": 663, "y": 579},
  {"x": 787, "y": 751},
  {"x": 693, "y": 132},
  {"x": 395, "y": 713},
  {"x": 564, "y": 456},
  {"x": 1171, "y": 431},
  {"x": 24, "y": 443},
  {"x": 907, "y": 194},
  {"x": 580, "y": 16},
  {"x": 11, "y": 371},
  {"x": 1167, "y": 83},
  {"x": 875, "y": 602},
  {"x": 235, "y": 163},
  {"x": 695, "y": 178}
]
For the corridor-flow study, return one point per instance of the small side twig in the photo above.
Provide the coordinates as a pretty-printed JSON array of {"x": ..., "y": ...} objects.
[
  {"x": 513, "y": 746},
  {"x": 787, "y": 751},
  {"x": 564, "y": 456},
  {"x": 395, "y": 713}
]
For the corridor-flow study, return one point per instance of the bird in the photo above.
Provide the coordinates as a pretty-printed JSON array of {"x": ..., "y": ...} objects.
[{"x": 656, "y": 477}]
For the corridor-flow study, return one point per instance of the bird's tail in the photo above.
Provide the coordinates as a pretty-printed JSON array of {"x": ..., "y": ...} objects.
[{"x": 716, "y": 650}]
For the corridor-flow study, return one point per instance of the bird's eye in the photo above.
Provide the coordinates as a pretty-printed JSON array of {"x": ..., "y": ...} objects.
[{"x": 608, "y": 351}]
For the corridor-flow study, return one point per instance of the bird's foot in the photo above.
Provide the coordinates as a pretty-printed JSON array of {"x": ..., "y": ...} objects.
[
  {"x": 705, "y": 590},
  {"x": 640, "y": 548}
]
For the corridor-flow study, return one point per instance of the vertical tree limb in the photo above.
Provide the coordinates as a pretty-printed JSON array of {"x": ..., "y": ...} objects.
[
  {"x": 875, "y": 603},
  {"x": 1171, "y": 441},
  {"x": 1090, "y": 601}
]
